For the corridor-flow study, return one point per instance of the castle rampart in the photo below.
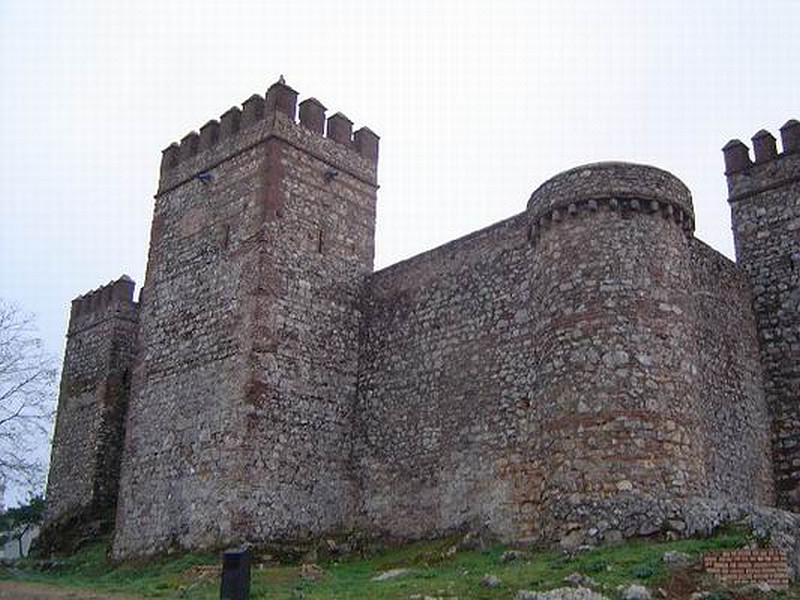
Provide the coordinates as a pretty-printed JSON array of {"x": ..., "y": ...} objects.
[
  {"x": 516, "y": 376},
  {"x": 735, "y": 420},
  {"x": 578, "y": 371},
  {"x": 444, "y": 377}
]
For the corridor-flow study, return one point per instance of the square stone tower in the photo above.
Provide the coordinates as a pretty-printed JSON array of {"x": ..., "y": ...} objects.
[
  {"x": 764, "y": 195},
  {"x": 87, "y": 444},
  {"x": 242, "y": 399}
]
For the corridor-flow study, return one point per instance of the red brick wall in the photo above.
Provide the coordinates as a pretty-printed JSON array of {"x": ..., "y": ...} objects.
[{"x": 745, "y": 566}]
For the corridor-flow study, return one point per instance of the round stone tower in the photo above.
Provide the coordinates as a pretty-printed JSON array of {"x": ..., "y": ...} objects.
[{"x": 616, "y": 376}]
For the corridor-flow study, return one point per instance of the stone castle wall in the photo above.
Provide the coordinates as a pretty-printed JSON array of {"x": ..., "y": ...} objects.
[
  {"x": 445, "y": 375},
  {"x": 565, "y": 372},
  {"x": 556, "y": 359},
  {"x": 735, "y": 419}
]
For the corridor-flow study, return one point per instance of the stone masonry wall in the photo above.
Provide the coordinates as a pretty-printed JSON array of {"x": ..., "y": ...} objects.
[
  {"x": 242, "y": 398},
  {"x": 516, "y": 376},
  {"x": 182, "y": 447},
  {"x": 446, "y": 373},
  {"x": 101, "y": 345},
  {"x": 300, "y": 393},
  {"x": 735, "y": 418},
  {"x": 765, "y": 205}
]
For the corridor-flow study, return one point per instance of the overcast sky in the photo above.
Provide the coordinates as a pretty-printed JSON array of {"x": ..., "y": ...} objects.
[{"x": 476, "y": 103}]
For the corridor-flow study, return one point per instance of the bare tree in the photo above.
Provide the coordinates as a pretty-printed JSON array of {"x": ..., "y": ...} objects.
[{"x": 27, "y": 386}]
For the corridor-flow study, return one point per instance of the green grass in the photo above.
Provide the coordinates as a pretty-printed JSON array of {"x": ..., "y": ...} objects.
[{"x": 434, "y": 570}]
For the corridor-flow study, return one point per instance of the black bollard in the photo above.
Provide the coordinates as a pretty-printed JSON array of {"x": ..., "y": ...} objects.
[{"x": 235, "y": 575}]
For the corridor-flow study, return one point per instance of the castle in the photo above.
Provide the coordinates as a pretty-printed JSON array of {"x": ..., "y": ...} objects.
[{"x": 588, "y": 356}]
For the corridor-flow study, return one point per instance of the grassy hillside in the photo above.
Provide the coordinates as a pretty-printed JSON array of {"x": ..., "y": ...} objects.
[{"x": 435, "y": 569}]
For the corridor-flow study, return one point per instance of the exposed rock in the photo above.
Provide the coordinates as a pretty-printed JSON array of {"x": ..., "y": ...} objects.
[
  {"x": 311, "y": 572},
  {"x": 390, "y": 574},
  {"x": 621, "y": 517},
  {"x": 475, "y": 540},
  {"x": 648, "y": 529},
  {"x": 613, "y": 536},
  {"x": 511, "y": 555},
  {"x": 759, "y": 587},
  {"x": 636, "y": 592},
  {"x": 580, "y": 580},
  {"x": 677, "y": 559},
  {"x": 573, "y": 540},
  {"x": 560, "y": 594},
  {"x": 675, "y": 525},
  {"x": 491, "y": 581}
]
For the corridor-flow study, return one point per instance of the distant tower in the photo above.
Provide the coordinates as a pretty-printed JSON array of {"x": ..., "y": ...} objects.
[
  {"x": 240, "y": 421},
  {"x": 84, "y": 463},
  {"x": 764, "y": 196}
]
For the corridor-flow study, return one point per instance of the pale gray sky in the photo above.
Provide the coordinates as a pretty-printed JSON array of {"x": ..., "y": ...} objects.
[{"x": 476, "y": 103}]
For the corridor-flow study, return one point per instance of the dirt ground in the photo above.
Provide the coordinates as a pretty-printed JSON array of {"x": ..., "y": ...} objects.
[{"x": 15, "y": 590}]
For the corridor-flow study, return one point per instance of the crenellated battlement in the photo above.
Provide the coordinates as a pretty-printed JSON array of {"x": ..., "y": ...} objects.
[
  {"x": 611, "y": 186},
  {"x": 88, "y": 307},
  {"x": 768, "y": 167},
  {"x": 275, "y": 114}
]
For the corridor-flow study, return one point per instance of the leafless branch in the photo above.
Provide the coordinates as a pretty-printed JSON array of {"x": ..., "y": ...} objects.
[{"x": 27, "y": 393}]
